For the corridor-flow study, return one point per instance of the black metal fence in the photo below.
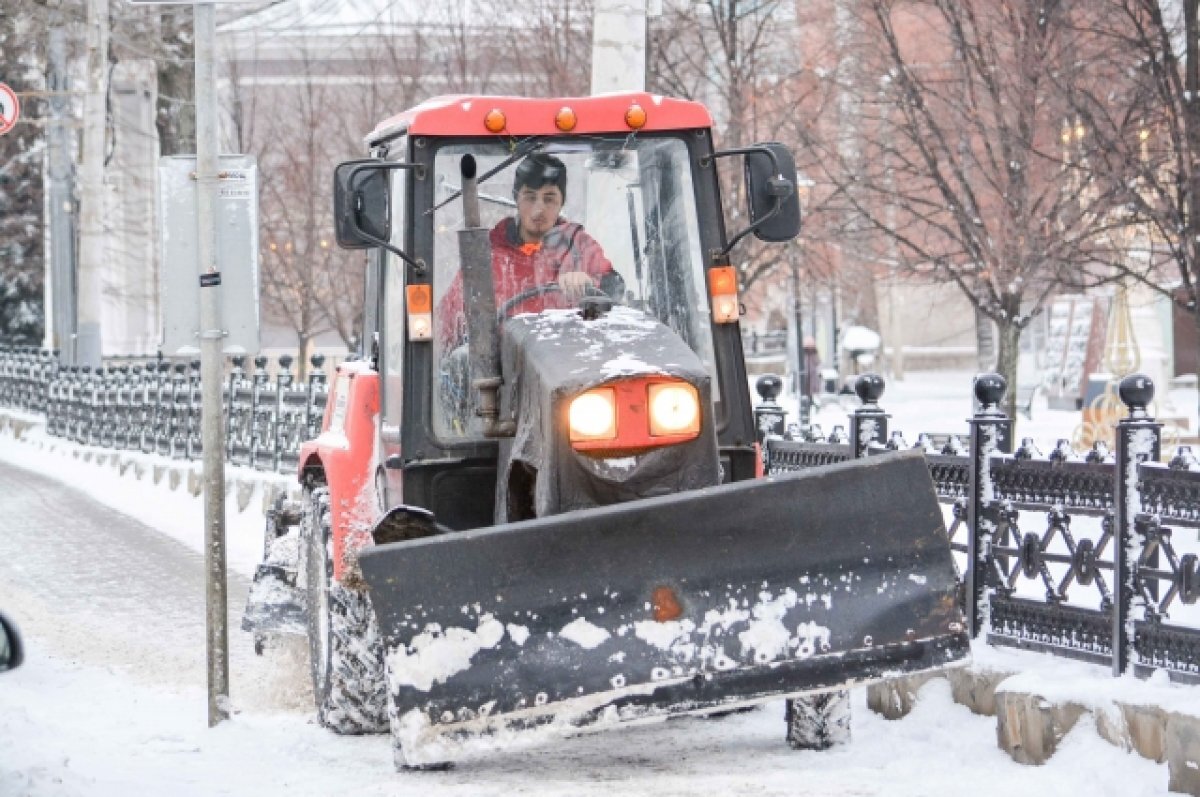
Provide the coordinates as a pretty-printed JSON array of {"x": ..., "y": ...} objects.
[
  {"x": 153, "y": 406},
  {"x": 1095, "y": 557},
  {"x": 1092, "y": 557}
]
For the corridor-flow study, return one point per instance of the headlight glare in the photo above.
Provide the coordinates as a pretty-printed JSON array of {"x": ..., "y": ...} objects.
[
  {"x": 593, "y": 415},
  {"x": 674, "y": 409}
]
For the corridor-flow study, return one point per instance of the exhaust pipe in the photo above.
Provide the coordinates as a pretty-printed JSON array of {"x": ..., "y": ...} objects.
[{"x": 479, "y": 303}]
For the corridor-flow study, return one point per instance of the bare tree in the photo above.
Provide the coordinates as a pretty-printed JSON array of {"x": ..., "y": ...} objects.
[
  {"x": 307, "y": 282},
  {"x": 965, "y": 179},
  {"x": 550, "y": 48},
  {"x": 737, "y": 57},
  {"x": 1142, "y": 118}
]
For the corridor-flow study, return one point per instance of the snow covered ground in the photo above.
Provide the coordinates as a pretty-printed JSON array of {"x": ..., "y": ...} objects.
[{"x": 111, "y": 698}]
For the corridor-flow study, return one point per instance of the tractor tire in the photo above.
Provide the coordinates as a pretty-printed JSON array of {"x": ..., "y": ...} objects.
[
  {"x": 818, "y": 722},
  {"x": 345, "y": 648}
]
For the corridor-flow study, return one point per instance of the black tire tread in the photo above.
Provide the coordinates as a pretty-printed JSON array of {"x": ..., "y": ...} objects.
[{"x": 353, "y": 699}]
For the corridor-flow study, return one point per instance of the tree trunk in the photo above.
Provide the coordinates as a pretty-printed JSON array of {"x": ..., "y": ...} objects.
[
  {"x": 1196, "y": 319},
  {"x": 302, "y": 343},
  {"x": 1007, "y": 357}
]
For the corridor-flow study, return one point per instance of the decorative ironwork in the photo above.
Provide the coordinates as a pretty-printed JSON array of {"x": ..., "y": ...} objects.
[
  {"x": 951, "y": 476},
  {"x": 154, "y": 406},
  {"x": 1170, "y": 493},
  {"x": 1043, "y": 483},
  {"x": 1068, "y": 630},
  {"x": 792, "y": 455}
]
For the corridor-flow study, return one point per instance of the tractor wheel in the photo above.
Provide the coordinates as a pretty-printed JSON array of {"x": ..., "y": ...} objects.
[
  {"x": 345, "y": 649},
  {"x": 818, "y": 722}
]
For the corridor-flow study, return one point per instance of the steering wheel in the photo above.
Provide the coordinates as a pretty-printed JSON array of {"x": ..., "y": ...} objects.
[{"x": 513, "y": 302}]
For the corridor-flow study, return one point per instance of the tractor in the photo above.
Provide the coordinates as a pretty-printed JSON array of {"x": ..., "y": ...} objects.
[{"x": 537, "y": 504}]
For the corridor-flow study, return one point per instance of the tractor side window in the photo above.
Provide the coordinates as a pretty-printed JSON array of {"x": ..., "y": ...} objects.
[{"x": 628, "y": 218}]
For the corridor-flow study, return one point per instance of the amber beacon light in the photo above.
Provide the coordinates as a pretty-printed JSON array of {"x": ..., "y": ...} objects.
[
  {"x": 495, "y": 121},
  {"x": 635, "y": 117},
  {"x": 565, "y": 120}
]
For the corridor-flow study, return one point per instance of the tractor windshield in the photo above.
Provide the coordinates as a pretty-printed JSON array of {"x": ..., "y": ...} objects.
[{"x": 626, "y": 217}]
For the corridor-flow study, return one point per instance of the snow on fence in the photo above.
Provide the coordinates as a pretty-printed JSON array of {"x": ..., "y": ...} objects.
[
  {"x": 1091, "y": 557},
  {"x": 153, "y": 406}
]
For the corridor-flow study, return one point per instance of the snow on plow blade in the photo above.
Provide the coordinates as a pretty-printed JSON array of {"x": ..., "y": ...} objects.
[{"x": 687, "y": 603}]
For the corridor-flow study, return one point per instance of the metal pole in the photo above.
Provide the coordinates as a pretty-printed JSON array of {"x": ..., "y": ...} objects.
[
  {"x": 801, "y": 353},
  {"x": 207, "y": 179},
  {"x": 991, "y": 433},
  {"x": 60, "y": 204},
  {"x": 1138, "y": 440},
  {"x": 618, "y": 46},
  {"x": 92, "y": 242}
]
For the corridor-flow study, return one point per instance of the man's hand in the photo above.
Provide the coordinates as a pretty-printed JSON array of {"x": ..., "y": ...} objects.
[{"x": 574, "y": 284}]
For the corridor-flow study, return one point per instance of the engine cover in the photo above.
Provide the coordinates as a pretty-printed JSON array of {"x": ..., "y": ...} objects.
[{"x": 550, "y": 358}]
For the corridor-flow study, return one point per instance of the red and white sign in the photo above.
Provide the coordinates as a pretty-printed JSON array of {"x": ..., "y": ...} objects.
[{"x": 10, "y": 108}]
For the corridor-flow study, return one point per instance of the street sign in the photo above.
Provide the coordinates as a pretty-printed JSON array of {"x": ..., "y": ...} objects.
[
  {"x": 237, "y": 254},
  {"x": 10, "y": 108}
]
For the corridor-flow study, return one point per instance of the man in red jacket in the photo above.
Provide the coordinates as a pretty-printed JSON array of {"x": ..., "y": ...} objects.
[
  {"x": 537, "y": 254},
  {"x": 537, "y": 249}
]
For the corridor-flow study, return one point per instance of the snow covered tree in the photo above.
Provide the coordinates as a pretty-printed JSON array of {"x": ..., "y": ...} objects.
[{"x": 22, "y": 151}]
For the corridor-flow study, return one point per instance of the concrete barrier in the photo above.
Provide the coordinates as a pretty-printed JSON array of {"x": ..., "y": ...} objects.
[{"x": 1030, "y": 726}]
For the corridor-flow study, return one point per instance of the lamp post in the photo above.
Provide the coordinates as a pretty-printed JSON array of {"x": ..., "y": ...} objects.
[{"x": 803, "y": 190}]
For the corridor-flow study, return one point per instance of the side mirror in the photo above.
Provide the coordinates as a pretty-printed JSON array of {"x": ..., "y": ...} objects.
[
  {"x": 11, "y": 652},
  {"x": 361, "y": 209},
  {"x": 771, "y": 184}
]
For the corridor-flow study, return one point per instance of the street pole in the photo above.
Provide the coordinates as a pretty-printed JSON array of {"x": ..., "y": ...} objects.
[
  {"x": 211, "y": 419},
  {"x": 92, "y": 243},
  {"x": 618, "y": 46},
  {"x": 801, "y": 353},
  {"x": 60, "y": 171}
]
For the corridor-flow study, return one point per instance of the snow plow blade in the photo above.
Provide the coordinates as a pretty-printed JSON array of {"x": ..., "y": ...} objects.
[{"x": 689, "y": 603}]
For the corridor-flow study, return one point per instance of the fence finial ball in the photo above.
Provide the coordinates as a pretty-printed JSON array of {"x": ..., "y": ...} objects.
[
  {"x": 1136, "y": 392},
  {"x": 990, "y": 390},
  {"x": 869, "y": 388},
  {"x": 317, "y": 360},
  {"x": 769, "y": 386}
]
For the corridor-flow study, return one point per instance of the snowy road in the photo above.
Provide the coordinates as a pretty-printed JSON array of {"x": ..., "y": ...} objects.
[
  {"x": 111, "y": 701},
  {"x": 71, "y": 567}
]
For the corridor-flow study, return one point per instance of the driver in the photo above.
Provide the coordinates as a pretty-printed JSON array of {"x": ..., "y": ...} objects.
[{"x": 538, "y": 247}]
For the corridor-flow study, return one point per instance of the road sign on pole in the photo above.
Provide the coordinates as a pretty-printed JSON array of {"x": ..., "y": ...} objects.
[{"x": 10, "y": 108}]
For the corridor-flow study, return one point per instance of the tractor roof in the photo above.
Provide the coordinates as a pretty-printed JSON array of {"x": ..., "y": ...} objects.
[{"x": 465, "y": 115}]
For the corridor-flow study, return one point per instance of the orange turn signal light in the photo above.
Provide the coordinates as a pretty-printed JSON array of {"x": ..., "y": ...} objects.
[
  {"x": 635, "y": 117},
  {"x": 722, "y": 285},
  {"x": 495, "y": 121},
  {"x": 419, "y": 305},
  {"x": 565, "y": 120}
]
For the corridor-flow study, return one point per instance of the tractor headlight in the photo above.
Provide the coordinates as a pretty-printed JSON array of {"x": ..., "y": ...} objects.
[
  {"x": 593, "y": 415},
  {"x": 674, "y": 409}
]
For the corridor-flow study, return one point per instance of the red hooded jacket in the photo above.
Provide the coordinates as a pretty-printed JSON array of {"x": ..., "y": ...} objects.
[{"x": 518, "y": 266}]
